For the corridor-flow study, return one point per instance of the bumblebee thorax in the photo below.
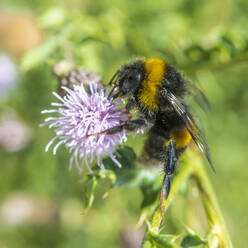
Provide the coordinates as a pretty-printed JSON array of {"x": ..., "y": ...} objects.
[{"x": 154, "y": 73}]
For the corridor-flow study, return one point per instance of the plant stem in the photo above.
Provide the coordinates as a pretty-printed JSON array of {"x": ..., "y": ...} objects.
[
  {"x": 156, "y": 220},
  {"x": 180, "y": 179},
  {"x": 193, "y": 167},
  {"x": 213, "y": 211}
]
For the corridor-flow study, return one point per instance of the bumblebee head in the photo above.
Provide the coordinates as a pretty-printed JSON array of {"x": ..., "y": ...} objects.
[{"x": 127, "y": 79}]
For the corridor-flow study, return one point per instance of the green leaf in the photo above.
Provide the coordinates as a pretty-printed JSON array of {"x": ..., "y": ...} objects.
[
  {"x": 148, "y": 180},
  {"x": 92, "y": 181},
  {"x": 89, "y": 193},
  {"x": 163, "y": 240},
  {"x": 126, "y": 157},
  {"x": 128, "y": 172},
  {"x": 192, "y": 240},
  {"x": 156, "y": 221},
  {"x": 117, "y": 176},
  {"x": 150, "y": 187},
  {"x": 150, "y": 195},
  {"x": 38, "y": 55}
]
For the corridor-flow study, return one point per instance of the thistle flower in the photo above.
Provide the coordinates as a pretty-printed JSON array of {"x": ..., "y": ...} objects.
[
  {"x": 69, "y": 78},
  {"x": 14, "y": 133},
  {"x": 86, "y": 110}
]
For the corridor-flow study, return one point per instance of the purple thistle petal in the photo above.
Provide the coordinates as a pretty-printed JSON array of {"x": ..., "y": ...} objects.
[{"x": 80, "y": 113}]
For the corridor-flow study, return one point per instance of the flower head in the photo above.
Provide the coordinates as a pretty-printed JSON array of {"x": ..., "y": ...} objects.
[
  {"x": 84, "y": 111},
  {"x": 69, "y": 78},
  {"x": 14, "y": 133}
]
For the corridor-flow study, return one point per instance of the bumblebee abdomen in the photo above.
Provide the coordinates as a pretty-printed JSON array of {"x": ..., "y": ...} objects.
[
  {"x": 181, "y": 137},
  {"x": 154, "y": 73},
  {"x": 158, "y": 141}
]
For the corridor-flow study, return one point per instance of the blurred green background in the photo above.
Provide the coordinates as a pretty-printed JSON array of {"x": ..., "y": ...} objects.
[{"x": 40, "y": 201}]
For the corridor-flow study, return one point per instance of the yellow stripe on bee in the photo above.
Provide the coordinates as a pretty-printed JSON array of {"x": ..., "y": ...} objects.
[
  {"x": 155, "y": 70},
  {"x": 181, "y": 137}
]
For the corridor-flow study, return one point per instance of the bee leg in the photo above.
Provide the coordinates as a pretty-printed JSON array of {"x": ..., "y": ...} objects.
[
  {"x": 170, "y": 158},
  {"x": 131, "y": 125},
  {"x": 165, "y": 190},
  {"x": 169, "y": 168}
]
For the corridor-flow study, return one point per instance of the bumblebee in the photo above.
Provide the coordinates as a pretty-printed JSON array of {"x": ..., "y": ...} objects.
[{"x": 158, "y": 91}]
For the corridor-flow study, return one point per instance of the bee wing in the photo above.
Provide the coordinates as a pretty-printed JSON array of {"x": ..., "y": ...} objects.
[
  {"x": 198, "y": 96},
  {"x": 195, "y": 132}
]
